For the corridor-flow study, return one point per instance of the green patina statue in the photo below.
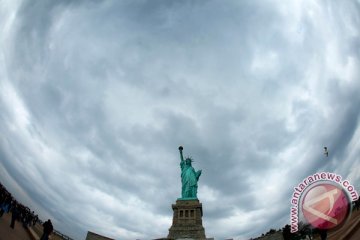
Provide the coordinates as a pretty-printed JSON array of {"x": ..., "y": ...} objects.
[{"x": 189, "y": 178}]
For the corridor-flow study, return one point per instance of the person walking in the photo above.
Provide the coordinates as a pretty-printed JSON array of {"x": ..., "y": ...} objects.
[
  {"x": 5, "y": 206},
  {"x": 48, "y": 228},
  {"x": 15, "y": 215},
  {"x": 323, "y": 234}
]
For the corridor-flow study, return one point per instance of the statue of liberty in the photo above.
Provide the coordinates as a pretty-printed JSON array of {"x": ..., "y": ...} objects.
[{"x": 189, "y": 178}]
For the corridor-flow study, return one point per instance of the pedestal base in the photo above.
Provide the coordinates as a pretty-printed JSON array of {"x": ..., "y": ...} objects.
[{"x": 187, "y": 220}]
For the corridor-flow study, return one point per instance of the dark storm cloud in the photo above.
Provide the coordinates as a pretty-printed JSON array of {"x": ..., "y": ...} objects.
[{"x": 97, "y": 96}]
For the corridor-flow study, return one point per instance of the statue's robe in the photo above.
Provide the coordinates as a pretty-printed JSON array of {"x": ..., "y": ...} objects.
[{"x": 189, "y": 179}]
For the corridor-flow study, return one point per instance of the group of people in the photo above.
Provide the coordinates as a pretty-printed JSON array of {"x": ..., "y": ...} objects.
[{"x": 19, "y": 212}]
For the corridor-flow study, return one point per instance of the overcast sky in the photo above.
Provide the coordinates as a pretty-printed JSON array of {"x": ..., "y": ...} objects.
[{"x": 96, "y": 97}]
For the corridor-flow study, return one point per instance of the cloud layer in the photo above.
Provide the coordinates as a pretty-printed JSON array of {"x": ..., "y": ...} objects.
[{"x": 95, "y": 98}]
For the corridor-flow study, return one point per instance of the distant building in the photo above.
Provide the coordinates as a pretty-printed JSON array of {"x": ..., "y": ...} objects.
[{"x": 95, "y": 236}]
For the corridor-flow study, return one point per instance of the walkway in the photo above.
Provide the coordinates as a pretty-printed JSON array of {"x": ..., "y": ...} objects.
[
  {"x": 7, "y": 233},
  {"x": 355, "y": 235}
]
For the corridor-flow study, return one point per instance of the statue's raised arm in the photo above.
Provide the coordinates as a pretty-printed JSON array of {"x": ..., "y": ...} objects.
[
  {"x": 181, "y": 154},
  {"x": 189, "y": 177}
]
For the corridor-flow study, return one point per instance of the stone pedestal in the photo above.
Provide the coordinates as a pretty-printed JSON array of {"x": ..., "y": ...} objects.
[{"x": 187, "y": 220}]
